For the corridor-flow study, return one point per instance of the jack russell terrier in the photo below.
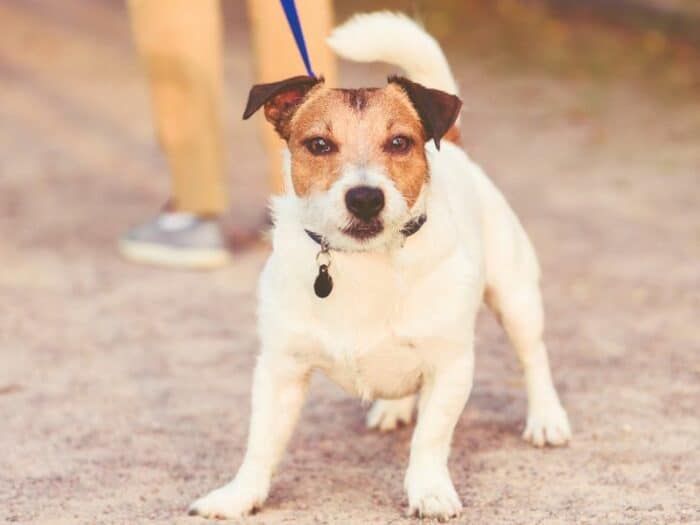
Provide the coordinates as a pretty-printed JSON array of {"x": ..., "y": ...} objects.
[{"x": 385, "y": 243}]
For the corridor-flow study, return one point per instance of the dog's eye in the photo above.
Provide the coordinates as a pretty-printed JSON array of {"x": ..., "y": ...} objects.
[
  {"x": 398, "y": 144},
  {"x": 320, "y": 146}
]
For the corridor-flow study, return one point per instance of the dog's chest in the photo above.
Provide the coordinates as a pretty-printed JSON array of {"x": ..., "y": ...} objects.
[
  {"x": 389, "y": 371},
  {"x": 378, "y": 328}
]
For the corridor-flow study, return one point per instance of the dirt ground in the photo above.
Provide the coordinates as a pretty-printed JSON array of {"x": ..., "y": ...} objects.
[{"x": 124, "y": 390}]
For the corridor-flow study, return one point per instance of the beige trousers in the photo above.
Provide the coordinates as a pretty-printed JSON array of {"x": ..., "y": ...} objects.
[{"x": 180, "y": 44}]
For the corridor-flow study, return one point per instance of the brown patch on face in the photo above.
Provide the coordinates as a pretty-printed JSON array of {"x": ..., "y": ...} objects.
[
  {"x": 360, "y": 123},
  {"x": 409, "y": 171},
  {"x": 357, "y": 98}
]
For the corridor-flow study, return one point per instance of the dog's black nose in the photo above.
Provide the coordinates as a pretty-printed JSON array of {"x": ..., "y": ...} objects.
[{"x": 365, "y": 202}]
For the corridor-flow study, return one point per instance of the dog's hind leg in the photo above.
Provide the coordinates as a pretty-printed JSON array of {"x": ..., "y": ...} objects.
[
  {"x": 387, "y": 414},
  {"x": 518, "y": 306},
  {"x": 279, "y": 387},
  {"x": 513, "y": 293}
]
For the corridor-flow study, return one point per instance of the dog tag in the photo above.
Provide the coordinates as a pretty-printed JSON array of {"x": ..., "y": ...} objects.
[{"x": 323, "y": 285}]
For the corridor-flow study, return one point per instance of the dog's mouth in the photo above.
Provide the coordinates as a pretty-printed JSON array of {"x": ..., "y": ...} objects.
[{"x": 363, "y": 230}]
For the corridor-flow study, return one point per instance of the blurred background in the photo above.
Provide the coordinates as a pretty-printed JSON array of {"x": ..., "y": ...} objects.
[
  {"x": 124, "y": 389},
  {"x": 76, "y": 113}
]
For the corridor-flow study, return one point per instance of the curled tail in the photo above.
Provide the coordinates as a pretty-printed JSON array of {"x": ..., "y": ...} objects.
[{"x": 396, "y": 39}]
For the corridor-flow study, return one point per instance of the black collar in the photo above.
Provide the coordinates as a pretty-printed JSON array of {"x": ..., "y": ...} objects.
[{"x": 408, "y": 229}]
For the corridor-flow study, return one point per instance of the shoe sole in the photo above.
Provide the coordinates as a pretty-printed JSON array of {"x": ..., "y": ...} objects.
[{"x": 159, "y": 255}]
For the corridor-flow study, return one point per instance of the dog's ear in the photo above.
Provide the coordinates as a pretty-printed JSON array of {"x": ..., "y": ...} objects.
[
  {"x": 280, "y": 100},
  {"x": 437, "y": 110}
]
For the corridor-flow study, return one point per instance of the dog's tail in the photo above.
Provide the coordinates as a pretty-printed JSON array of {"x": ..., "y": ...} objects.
[{"x": 396, "y": 39}]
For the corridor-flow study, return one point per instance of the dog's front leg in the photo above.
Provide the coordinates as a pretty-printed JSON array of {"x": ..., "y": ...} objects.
[
  {"x": 443, "y": 396},
  {"x": 279, "y": 387}
]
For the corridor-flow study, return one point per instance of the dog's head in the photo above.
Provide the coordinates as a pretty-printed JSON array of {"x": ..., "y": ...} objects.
[{"x": 358, "y": 161}]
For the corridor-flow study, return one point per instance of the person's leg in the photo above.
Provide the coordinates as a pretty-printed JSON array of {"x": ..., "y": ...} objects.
[
  {"x": 277, "y": 57},
  {"x": 180, "y": 43},
  {"x": 180, "y": 46}
]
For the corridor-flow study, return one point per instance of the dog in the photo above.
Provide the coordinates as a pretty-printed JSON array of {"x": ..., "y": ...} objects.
[{"x": 385, "y": 244}]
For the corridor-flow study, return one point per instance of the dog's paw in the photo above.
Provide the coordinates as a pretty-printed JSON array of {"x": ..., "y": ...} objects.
[
  {"x": 547, "y": 425},
  {"x": 386, "y": 414},
  {"x": 230, "y": 501},
  {"x": 432, "y": 496}
]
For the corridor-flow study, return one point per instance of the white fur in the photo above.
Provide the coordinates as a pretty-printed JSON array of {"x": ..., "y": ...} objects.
[
  {"x": 396, "y": 39},
  {"x": 326, "y": 214},
  {"x": 400, "y": 319},
  {"x": 387, "y": 414}
]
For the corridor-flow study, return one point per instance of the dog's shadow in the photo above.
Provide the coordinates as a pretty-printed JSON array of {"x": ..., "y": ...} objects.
[{"x": 335, "y": 458}]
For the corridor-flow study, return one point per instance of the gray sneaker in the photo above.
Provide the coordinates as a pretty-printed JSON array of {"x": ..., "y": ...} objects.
[{"x": 178, "y": 240}]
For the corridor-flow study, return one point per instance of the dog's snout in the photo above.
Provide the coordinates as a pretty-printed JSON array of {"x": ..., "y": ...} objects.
[{"x": 365, "y": 202}]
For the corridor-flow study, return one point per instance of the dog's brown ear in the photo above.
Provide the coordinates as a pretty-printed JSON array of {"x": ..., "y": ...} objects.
[
  {"x": 437, "y": 110},
  {"x": 280, "y": 100}
]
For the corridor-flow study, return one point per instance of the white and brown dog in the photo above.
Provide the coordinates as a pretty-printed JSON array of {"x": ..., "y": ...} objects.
[{"x": 385, "y": 244}]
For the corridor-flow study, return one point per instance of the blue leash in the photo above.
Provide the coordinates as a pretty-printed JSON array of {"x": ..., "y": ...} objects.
[{"x": 290, "y": 10}]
